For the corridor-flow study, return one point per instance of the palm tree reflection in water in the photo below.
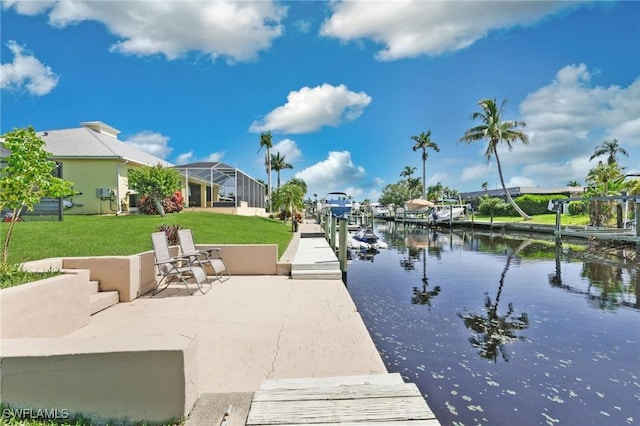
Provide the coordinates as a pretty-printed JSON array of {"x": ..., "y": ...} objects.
[
  {"x": 422, "y": 295},
  {"x": 494, "y": 331}
]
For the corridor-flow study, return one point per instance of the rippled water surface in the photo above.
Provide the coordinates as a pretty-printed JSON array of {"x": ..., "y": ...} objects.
[{"x": 499, "y": 330}]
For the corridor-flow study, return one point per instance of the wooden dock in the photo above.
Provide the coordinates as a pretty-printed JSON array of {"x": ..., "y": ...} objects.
[{"x": 383, "y": 399}]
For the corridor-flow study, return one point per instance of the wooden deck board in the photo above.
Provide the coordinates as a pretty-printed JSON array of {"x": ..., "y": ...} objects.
[
  {"x": 383, "y": 399},
  {"x": 323, "y": 382},
  {"x": 338, "y": 411},
  {"x": 337, "y": 392}
]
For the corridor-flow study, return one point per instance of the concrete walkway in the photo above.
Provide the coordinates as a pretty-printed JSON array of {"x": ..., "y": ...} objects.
[{"x": 253, "y": 328}]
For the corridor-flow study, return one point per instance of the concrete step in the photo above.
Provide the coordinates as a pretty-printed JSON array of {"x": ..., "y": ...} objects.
[
  {"x": 93, "y": 287},
  {"x": 316, "y": 274},
  {"x": 102, "y": 300},
  {"x": 327, "y": 265}
]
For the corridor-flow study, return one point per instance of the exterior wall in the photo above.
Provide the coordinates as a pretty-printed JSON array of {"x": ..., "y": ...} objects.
[
  {"x": 87, "y": 175},
  {"x": 119, "y": 379}
]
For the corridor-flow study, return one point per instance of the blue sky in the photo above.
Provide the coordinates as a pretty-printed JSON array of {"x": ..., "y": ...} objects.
[{"x": 342, "y": 85}]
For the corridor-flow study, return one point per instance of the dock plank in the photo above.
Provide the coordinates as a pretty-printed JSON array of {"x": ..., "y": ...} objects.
[
  {"x": 338, "y": 392},
  {"x": 324, "y": 382},
  {"x": 339, "y": 411}
]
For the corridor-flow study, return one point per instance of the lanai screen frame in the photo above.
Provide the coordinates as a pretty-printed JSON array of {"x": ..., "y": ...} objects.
[{"x": 246, "y": 188}]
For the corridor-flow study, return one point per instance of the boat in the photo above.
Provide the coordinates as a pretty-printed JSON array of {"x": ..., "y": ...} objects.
[
  {"x": 380, "y": 211},
  {"x": 418, "y": 205},
  {"x": 364, "y": 238},
  {"x": 337, "y": 204},
  {"x": 365, "y": 234},
  {"x": 445, "y": 213}
]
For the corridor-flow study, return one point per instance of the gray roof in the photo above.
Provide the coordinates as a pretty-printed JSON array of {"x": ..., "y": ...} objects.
[{"x": 85, "y": 142}]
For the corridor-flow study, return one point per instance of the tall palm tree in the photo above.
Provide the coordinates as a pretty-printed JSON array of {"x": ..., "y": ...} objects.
[
  {"x": 278, "y": 163},
  {"x": 573, "y": 183},
  {"x": 496, "y": 131},
  {"x": 610, "y": 149},
  {"x": 266, "y": 142},
  {"x": 407, "y": 172},
  {"x": 424, "y": 142}
]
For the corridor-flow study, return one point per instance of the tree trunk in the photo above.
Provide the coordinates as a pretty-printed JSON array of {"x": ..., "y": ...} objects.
[
  {"x": 504, "y": 187},
  {"x": 159, "y": 207},
  {"x": 7, "y": 238},
  {"x": 424, "y": 174},
  {"x": 269, "y": 177}
]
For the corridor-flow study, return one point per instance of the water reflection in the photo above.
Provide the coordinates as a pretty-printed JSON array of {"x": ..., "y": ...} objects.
[
  {"x": 423, "y": 295},
  {"x": 494, "y": 331},
  {"x": 611, "y": 272}
]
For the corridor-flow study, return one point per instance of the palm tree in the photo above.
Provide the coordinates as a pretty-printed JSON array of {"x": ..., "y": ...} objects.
[
  {"x": 290, "y": 197},
  {"x": 265, "y": 141},
  {"x": 485, "y": 186},
  {"x": 496, "y": 130},
  {"x": 573, "y": 183},
  {"x": 412, "y": 185},
  {"x": 407, "y": 172},
  {"x": 609, "y": 148},
  {"x": 278, "y": 163},
  {"x": 424, "y": 142}
]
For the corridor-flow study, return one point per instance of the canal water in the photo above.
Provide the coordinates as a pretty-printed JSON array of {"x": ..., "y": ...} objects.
[{"x": 505, "y": 330}]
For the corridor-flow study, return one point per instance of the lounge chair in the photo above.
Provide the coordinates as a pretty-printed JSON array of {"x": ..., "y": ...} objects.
[
  {"x": 175, "y": 269},
  {"x": 211, "y": 256}
]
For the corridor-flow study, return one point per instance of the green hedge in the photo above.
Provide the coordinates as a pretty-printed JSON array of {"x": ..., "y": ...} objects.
[{"x": 531, "y": 204}]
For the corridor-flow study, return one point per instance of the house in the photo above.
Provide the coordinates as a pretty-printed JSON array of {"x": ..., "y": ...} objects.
[{"x": 98, "y": 164}]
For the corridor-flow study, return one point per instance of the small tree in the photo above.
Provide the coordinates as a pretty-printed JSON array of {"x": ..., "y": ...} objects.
[
  {"x": 289, "y": 196},
  {"x": 27, "y": 177},
  {"x": 158, "y": 182}
]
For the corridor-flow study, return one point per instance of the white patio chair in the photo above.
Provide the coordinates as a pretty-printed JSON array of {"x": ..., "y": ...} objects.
[
  {"x": 175, "y": 269},
  {"x": 211, "y": 256}
]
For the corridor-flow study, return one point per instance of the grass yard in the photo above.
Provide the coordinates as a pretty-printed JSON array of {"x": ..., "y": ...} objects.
[
  {"x": 125, "y": 235},
  {"x": 547, "y": 219}
]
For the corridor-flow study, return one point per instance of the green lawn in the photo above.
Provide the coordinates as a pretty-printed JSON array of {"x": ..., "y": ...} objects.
[
  {"x": 124, "y": 235},
  {"x": 548, "y": 219}
]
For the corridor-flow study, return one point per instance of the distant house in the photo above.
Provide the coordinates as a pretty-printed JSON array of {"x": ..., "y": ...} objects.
[{"x": 98, "y": 164}]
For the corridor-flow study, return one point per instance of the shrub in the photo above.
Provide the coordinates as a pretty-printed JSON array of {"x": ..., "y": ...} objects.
[
  {"x": 171, "y": 204},
  {"x": 578, "y": 207},
  {"x": 171, "y": 232},
  {"x": 536, "y": 204},
  {"x": 494, "y": 205}
]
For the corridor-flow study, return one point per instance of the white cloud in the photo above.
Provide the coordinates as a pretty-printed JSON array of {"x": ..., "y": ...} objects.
[
  {"x": 412, "y": 28},
  {"x": 26, "y": 72},
  {"x": 289, "y": 149},
  {"x": 571, "y": 116},
  {"x": 188, "y": 157},
  {"x": 336, "y": 173},
  {"x": 151, "y": 142},
  {"x": 231, "y": 29},
  {"x": 559, "y": 173},
  {"x": 29, "y": 8},
  {"x": 311, "y": 108},
  {"x": 478, "y": 172}
]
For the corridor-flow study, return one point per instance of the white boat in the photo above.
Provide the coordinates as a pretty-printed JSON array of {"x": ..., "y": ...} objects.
[
  {"x": 445, "y": 213},
  {"x": 381, "y": 211},
  {"x": 337, "y": 204}
]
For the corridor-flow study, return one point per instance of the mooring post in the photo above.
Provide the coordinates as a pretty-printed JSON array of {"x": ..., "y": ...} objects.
[
  {"x": 332, "y": 233},
  {"x": 558, "y": 220},
  {"x": 342, "y": 246},
  {"x": 326, "y": 228}
]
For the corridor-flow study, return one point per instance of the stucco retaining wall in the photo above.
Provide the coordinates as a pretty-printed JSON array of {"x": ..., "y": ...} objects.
[
  {"x": 51, "y": 307},
  {"x": 115, "y": 378}
]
